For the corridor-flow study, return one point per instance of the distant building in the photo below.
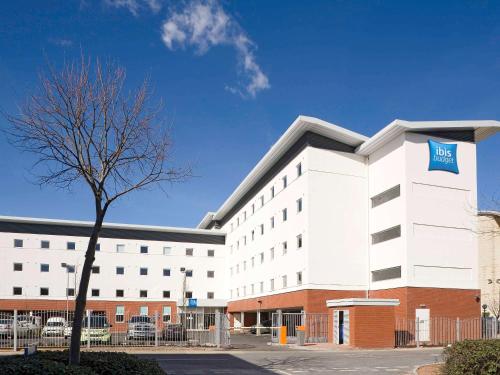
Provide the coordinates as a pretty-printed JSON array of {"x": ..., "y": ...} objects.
[{"x": 489, "y": 260}]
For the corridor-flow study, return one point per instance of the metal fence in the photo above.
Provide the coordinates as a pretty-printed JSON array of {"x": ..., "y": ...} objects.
[
  {"x": 53, "y": 328},
  {"x": 315, "y": 326},
  {"x": 442, "y": 331}
]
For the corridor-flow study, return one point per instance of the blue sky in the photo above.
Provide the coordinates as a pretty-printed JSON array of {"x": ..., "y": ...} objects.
[{"x": 232, "y": 85}]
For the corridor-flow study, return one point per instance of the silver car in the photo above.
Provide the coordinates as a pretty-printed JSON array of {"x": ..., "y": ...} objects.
[
  {"x": 6, "y": 327},
  {"x": 141, "y": 327}
]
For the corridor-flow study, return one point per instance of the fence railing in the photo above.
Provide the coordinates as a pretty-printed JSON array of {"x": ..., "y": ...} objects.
[
  {"x": 53, "y": 328},
  {"x": 442, "y": 331},
  {"x": 315, "y": 325}
]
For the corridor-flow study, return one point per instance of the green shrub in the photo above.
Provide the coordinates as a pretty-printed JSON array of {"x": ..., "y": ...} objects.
[
  {"x": 473, "y": 357},
  {"x": 91, "y": 363}
]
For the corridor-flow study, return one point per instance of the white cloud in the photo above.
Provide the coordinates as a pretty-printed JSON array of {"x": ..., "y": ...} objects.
[
  {"x": 203, "y": 24},
  {"x": 134, "y": 6}
]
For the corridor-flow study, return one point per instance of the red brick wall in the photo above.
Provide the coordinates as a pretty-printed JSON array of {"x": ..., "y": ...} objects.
[
  {"x": 442, "y": 302},
  {"x": 313, "y": 301}
]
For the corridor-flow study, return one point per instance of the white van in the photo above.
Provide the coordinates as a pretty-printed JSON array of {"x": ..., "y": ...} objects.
[{"x": 55, "y": 326}]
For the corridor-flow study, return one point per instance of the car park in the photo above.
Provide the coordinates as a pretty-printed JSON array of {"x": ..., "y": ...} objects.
[
  {"x": 174, "y": 332},
  {"x": 97, "y": 331},
  {"x": 265, "y": 327},
  {"x": 55, "y": 326},
  {"x": 141, "y": 327}
]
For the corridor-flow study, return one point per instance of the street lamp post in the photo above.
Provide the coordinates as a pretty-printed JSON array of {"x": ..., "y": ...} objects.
[{"x": 64, "y": 265}]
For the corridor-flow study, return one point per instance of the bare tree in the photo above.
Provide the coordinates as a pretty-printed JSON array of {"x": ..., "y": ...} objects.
[{"x": 82, "y": 127}]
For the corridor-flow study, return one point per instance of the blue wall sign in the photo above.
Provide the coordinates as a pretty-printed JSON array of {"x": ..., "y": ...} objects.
[
  {"x": 192, "y": 302},
  {"x": 442, "y": 157}
]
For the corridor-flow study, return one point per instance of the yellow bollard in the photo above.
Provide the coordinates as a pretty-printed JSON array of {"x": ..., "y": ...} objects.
[{"x": 283, "y": 335}]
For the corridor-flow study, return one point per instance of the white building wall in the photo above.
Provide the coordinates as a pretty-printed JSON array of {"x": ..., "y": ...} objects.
[
  {"x": 337, "y": 224},
  {"x": 31, "y": 279}
]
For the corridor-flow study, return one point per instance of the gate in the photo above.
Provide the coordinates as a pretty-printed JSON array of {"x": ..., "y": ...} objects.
[{"x": 315, "y": 326}]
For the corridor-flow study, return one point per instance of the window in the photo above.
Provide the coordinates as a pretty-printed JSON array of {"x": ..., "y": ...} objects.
[
  {"x": 271, "y": 285},
  {"x": 189, "y": 294},
  {"x": 189, "y": 273},
  {"x": 44, "y": 291},
  {"x": 237, "y": 292},
  {"x": 237, "y": 244},
  {"x": 210, "y": 274},
  {"x": 299, "y": 278},
  {"x": 253, "y": 208},
  {"x": 299, "y": 241},
  {"x": 237, "y": 268},
  {"x": 17, "y": 291},
  {"x": 386, "y": 196},
  {"x": 166, "y": 313},
  {"x": 237, "y": 222},
  {"x": 244, "y": 240},
  {"x": 252, "y": 289},
  {"x": 120, "y": 270},
  {"x": 18, "y": 243},
  {"x": 18, "y": 266},
  {"x": 210, "y": 295},
  {"x": 143, "y": 311},
  {"x": 45, "y": 268},
  {"x": 262, "y": 286},
  {"x": 97, "y": 247},
  {"x": 284, "y": 245},
  {"x": 120, "y": 314},
  {"x": 253, "y": 261},
  {"x": 387, "y": 274},
  {"x": 299, "y": 205},
  {"x": 299, "y": 169},
  {"x": 244, "y": 215},
  {"x": 211, "y": 253},
  {"x": 120, "y": 248},
  {"x": 244, "y": 291},
  {"x": 261, "y": 257},
  {"x": 189, "y": 252},
  {"x": 285, "y": 182},
  {"x": 96, "y": 269},
  {"x": 119, "y": 293},
  {"x": 272, "y": 222},
  {"x": 70, "y": 292},
  {"x": 166, "y": 272},
  {"x": 166, "y": 294},
  {"x": 284, "y": 214},
  {"x": 232, "y": 227},
  {"x": 143, "y": 271},
  {"x": 386, "y": 235},
  {"x": 95, "y": 292},
  {"x": 143, "y": 294},
  {"x": 272, "y": 192},
  {"x": 253, "y": 234},
  {"x": 231, "y": 271},
  {"x": 45, "y": 245},
  {"x": 144, "y": 249},
  {"x": 244, "y": 265},
  {"x": 167, "y": 250},
  {"x": 70, "y": 246},
  {"x": 261, "y": 229},
  {"x": 70, "y": 268},
  {"x": 271, "y": 252},
  {"x": 261, "y": 200},
  {"x": 284, "y": 281}
]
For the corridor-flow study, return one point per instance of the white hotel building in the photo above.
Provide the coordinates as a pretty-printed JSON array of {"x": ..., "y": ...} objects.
[{"x": 327, "y": 213}]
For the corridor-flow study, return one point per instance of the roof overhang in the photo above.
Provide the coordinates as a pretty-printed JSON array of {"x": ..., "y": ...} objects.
[
  {"x": 346, "y": 302},
  {"x": 482, "y": 130},
  {"x": 299, "y": 127},
  {"x": 489, "y": 213}
]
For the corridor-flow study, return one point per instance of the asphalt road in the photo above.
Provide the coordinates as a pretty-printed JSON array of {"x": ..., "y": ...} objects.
[{"x": 293, "y": 362}]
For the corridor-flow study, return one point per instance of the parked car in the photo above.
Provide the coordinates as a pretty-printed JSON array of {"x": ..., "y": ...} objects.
[
  {"x": 29, "y": 326},
  {"x": 265, "y": 327},
  {"x": 141, "y": 327},
  {"x": 99, "y": 330},
  {"x": 68, "y": 329},
  {"x": 6, "y": 326},
  {"x": 55, "y": 326},
  {"x": 174, "y": 332}
]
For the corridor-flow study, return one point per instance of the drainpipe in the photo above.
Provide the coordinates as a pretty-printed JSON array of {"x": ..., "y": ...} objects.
[{"x": 368, "y": 212}]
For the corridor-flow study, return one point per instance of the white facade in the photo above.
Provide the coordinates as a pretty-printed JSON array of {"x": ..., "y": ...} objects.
[{"x": 303, "y": 219}]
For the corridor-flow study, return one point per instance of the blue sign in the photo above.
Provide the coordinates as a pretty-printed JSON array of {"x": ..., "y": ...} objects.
[
  {"x": 192, "y": 302},
  {"x": 442, "y": 157}
]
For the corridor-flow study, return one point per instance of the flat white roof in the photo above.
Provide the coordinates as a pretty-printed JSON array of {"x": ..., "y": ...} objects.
[{"x": 362, "y": 302}]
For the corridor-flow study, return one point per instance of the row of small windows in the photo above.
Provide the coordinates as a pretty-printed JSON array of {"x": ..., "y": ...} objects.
[
  {"x": 143, "y": 271},
  {"x": 120, "y": 248},
  {"x": 252, "y": 291},
  {"x": 261, "y": 227},
  {"x": 284, "y": 184},
  {"x": 261, "y": 256},
  {"x": 70, "y": 292}
]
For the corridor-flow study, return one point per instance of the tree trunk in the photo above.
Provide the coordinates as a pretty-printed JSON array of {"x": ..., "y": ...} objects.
[{"x": 81, "y": 299}]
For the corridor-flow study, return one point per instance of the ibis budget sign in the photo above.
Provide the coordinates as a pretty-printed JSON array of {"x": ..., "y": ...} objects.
[{"x": 442, "y": 157}]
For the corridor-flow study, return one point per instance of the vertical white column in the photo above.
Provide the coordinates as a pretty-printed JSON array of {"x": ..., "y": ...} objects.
[{"x": 258, "y": 323}]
